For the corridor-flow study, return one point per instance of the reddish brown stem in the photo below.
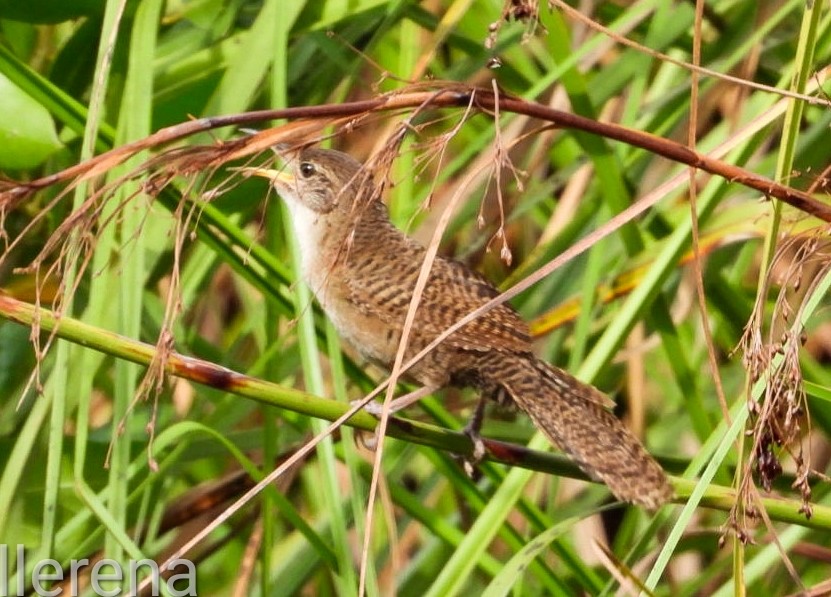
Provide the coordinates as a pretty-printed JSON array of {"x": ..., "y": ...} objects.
[{"x": 451, "y": 95}]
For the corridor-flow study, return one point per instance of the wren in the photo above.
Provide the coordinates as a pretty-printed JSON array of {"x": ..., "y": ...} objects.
[{"x": 363, "y": 271}]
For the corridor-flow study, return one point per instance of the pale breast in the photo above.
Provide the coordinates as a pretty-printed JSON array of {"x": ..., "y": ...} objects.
[{"x": 364, "y": 331}]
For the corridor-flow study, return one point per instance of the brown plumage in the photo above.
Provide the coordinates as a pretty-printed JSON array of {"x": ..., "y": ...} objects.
[{"x": 363, "y": 271}]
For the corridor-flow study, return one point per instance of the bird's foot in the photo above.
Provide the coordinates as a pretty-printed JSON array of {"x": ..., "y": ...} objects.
[
  {"x": 479, "y": 449},
  {"x": 470, "y": 463},
  {"x": 472, "y": 430},
  {"x": 373, "y": 408},
  {"x": 376, "y": 408},
  {"x": 368, "y": 439}
]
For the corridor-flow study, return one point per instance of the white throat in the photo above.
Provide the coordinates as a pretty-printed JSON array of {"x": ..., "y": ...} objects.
[
  {"x": 310, "y": 229},
  {"x": 307, "y": 227}
]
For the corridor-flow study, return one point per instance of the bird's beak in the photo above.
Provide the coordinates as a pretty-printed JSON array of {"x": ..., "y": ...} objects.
[{"x": 283, "y": 177}]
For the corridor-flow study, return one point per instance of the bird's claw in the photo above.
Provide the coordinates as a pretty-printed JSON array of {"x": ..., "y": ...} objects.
[
  {"x": 479, "y": 450},
  {"x": 372, "y": 407}
]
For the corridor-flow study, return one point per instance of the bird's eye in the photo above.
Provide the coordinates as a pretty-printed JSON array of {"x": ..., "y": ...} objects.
[{"x": 307, "y": 169}]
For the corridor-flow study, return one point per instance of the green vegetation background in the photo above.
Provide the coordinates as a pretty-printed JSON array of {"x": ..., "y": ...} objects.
[{"x": 622, "y": 316}]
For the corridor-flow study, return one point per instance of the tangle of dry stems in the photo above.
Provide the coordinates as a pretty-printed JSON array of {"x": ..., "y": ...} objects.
[{"x": 771, "y": 345}]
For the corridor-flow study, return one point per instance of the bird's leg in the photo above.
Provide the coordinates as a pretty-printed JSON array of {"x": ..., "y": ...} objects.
[
  {"x": 400, "y": 403},
  {"x": 472, "y": 429}
]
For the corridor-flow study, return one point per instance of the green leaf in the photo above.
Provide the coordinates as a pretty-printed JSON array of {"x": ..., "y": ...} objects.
[
  {"x": 28, "y": 138},
  {"x": 512, "y": 572},
  {"x": 49, "y": 11}
]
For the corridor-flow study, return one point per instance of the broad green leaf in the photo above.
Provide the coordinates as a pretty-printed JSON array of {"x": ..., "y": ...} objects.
[
  {"x": 28, "y": 137},
  {"x": 49, "y": 11}
]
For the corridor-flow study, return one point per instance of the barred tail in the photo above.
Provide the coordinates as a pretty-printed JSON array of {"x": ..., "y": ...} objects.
[{"x": 574, "y": 417}]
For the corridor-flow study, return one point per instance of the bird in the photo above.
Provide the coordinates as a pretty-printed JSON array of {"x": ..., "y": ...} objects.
[{"x": 363, "y": 272}]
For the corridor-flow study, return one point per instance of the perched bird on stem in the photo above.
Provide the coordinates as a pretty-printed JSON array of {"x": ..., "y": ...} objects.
[{"x": 363, "y": 272}]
